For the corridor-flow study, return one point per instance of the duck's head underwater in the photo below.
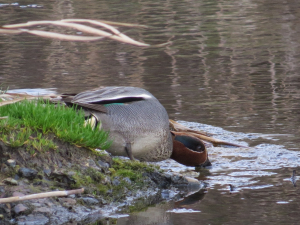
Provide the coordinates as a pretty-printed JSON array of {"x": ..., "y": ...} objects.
[{"x": 138, "y": 125}]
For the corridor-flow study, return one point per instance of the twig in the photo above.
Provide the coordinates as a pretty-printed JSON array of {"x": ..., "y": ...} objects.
[{"x": 41, "y": 195}]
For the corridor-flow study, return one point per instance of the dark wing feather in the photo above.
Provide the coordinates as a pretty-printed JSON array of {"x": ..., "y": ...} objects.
[
  {"x": 96, "y": 107},
  {"x": 109, "y": 95},
  {"x": 97, "y": 98},
  {"x": 69, "y": 100}
]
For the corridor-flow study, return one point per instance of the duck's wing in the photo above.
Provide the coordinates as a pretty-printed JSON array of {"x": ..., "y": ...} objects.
[
  {"x": 68, "y": 99},
  {"x": 97, "y": 99},
  {"x": 110, "y": 95}
]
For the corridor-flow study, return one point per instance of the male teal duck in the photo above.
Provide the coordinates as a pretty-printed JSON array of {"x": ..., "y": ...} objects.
[{"x": 138, "y": 125}]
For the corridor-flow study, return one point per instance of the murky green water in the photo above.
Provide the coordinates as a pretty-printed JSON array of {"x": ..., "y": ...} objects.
[{"x": 232, "y": 64}]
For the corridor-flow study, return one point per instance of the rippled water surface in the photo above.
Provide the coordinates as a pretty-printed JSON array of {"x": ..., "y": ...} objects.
[{"x": 232, "y": 69}]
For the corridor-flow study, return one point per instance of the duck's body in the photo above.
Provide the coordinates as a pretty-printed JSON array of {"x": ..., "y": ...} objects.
[
  {"x": 135, "y": 119},
  {"x": 138, "y": 125}
]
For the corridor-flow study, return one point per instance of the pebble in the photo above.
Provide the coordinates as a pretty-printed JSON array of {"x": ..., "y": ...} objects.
[
  {"x": 47, "y": 172},
  {"x": 27, "y": 173},
  {"x": 11, "y": 162},
  {"x": 46, "y": 210},
  {"x": 192, "y": 182},
  {"x": 104, "y": 166},
  {"x": 67, "y": 201},
  {"x": 4, "y": 168},
  {"x": 10, "y": 181},
  {"x": 91, "y": 163},
  {"x": 37, "y": 219},
  {"x": 16, "y": 177},
  {"x": 19, "y": 209},
  {"x": 115, "y": 182},
  {"x": 17, "y": 194},
  {"x": 106, "y": 180},
  {"x": 90, "y": 201},
  {"x": 127, "y": 179}
]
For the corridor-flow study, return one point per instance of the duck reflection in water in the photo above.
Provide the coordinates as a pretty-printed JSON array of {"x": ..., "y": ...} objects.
[{"x": 138, "y": 125}]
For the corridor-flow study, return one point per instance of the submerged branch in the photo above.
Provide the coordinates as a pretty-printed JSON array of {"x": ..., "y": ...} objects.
[{"x": 74, "y": 24}]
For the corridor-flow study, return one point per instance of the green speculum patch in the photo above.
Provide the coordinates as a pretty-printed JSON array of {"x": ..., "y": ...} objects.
[{"x": 29, "y": 121}]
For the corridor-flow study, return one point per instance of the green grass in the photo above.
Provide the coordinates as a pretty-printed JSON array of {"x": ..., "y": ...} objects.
[{"x": 34, "y": 117}]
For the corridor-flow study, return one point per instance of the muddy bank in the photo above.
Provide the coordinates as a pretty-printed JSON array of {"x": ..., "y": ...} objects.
[{"x": 111, "y": 185}]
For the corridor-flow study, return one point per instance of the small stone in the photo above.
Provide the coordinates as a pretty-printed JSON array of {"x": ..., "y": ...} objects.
[
  {"x": 178, "y": 179},
  {"x": 92, "y": 163},
  {"x": 90, "y": 201},
  {"x": 127, "y": 179},
  {"x": 16, "y": 177},
  {"x": 17, "y": 194},
  {"x": 11, "y": 162},
  {"x": 36, "y": 204},
  {"x": 27, "y": 173},
  {"x": 49, "y": 204},
  {"x": 47, "y": 172},
  {"x": 10, "y": 181},
  {"x": 71, "y": 174},
  {"x": 192, "y": 182},
  {"x": 19, "y": 209},
  {"x": 5, "y": 209},
  {"x": 63, "y": 176},
  {"x": 68, "y": 202},
  {"x": 104, "y": 202},
  {"x": 165, "y": 194},
  {"x": 4, "y": 168},
  {"x": 115, "y": 182},
  {"x": 106, "y": 180},
  {"x": 37, "y": 219},
  {"x": 1, "y": 217},
  {"x": 46, "y": 210},
  {"x": 103, "y": 165}
]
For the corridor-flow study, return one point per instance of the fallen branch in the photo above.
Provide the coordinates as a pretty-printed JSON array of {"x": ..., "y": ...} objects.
[
  {"x": 74, "y": 24},
  {"x": 42, "y": 195}
]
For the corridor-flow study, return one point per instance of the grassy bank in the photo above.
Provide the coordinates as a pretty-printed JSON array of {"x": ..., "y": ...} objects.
[{"x": 29, "y": 121}]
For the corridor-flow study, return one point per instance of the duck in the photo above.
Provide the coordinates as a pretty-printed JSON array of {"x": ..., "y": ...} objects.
[{"x": 138, "y": 125}]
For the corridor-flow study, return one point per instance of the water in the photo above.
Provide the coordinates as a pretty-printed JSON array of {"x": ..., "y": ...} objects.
[{"x": 232, "y": 69}]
